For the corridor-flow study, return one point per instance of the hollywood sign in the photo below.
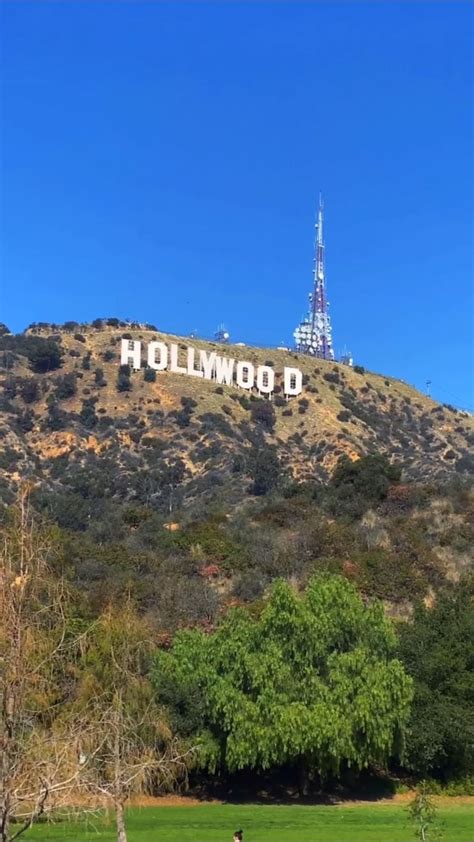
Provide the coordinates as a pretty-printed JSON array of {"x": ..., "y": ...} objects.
[{"x": 209, "y": 365}]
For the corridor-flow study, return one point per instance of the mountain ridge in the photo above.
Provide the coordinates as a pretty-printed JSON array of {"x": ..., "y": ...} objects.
[{"x": 89, "y": 404}]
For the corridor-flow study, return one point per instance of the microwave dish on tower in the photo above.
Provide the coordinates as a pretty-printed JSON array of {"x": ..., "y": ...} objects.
[{"x": 222, "y": 335}]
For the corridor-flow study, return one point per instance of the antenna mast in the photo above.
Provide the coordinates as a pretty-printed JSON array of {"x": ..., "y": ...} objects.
[{"x": 314, "y": 334}]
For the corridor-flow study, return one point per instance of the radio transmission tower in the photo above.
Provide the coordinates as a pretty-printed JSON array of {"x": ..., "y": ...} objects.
[
  {"x": 222, "y": 335},
  {"x": 314, "y": 335}
]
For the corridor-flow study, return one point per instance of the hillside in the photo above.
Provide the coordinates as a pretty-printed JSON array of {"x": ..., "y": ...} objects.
[
  {"x": 193, "y": 495},
  {"x": 199, "y": 433}
]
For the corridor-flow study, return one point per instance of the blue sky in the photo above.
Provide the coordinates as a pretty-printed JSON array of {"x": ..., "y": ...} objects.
[{"x": 162, "y": 161}]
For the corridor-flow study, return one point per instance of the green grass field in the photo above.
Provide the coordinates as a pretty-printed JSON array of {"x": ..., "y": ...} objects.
[{"x": 216, "y": 823}]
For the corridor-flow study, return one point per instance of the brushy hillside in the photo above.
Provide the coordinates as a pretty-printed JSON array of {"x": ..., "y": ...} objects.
[
  {"x": 196, "y": 496},
  {"x": 169, "y": 437}
]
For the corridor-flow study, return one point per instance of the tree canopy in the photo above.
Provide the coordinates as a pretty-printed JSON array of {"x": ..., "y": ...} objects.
[
  {"x": 437, "y": 651},
  {"x": 355, "y": 486},
  {"x": 43, "y": 354},
  {"x": 310, "y": 680}
]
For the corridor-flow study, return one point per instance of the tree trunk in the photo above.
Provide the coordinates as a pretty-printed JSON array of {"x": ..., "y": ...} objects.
[
  {"x": 5, "y": 826},
  {"x": 120, "y": 821},
  {"x": 303, "y": 783},
  {"x": 6, "y": 743}
]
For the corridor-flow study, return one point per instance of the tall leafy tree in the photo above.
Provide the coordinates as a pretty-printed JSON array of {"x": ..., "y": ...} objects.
[
  {"x": 312, "y": 681},
  {"x": 437, "y": 651}
]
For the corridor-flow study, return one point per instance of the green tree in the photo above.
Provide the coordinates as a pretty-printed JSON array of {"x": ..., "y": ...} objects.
[
  {"x": 355, "y": 486},
  {"x": 436, "y": 649},
  {"x": 44, "y": 354},
  {"x": 264, "y": 468},
  {"x": 29, "y": 389},
  {"x": 56, "y": 419},
  {"x": 423, "y": 812},
  {"x": 66, "y": 386},
  {"x": 99, "y": 377},
  {"x": 87, "y": 414},
  {"x": 312, "y": 681},
  {"x": 123, "y": 379}
]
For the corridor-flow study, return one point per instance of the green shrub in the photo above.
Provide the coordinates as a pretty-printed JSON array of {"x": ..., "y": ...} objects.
[
  {"x": 182, "y": 417},
  {"x": 212, "y": 422},
  {"x": 55, "y": 419},
  {"x": 263, "y": 413},
  {"x": 10, "y": 387},
  {"x": 149, "y": 375},
  {"x": 344, "y": 415},
  {"x": 123, "y": 379},
  {"x": 87, "y": 414},
  {"x": 99, "y": 377},
  {"x": 43, "y": 354},
  {"x": 263, "y": 466},
  {"x": 355, "y": 486},
  {"x": 244, "y": 402},
  {"x": 9, "y": 459},
  {"x": 66, "y": 386}
]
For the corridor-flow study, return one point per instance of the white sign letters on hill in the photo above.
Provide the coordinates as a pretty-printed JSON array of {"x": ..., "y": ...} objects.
[{"x": 210, "y": 366}]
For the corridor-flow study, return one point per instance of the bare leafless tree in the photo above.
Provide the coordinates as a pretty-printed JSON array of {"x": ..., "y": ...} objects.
[
  {"x": 132, "y": 760},
  {"x": 40, "y": 750},
  {"x": 132, "y": 746}
]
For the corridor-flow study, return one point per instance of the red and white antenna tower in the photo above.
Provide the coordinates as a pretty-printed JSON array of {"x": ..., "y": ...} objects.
[{"x": 314, "y": 334}]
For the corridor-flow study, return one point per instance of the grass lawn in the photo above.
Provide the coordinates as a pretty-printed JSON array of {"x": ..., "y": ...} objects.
[{"x": 216, "y": 823}]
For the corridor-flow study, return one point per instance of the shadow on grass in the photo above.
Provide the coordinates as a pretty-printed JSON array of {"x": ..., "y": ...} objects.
[{"x": 281, "y": 788}]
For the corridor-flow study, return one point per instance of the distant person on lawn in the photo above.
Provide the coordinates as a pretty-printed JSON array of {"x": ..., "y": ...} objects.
[{"x": 238, "y": 836}]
